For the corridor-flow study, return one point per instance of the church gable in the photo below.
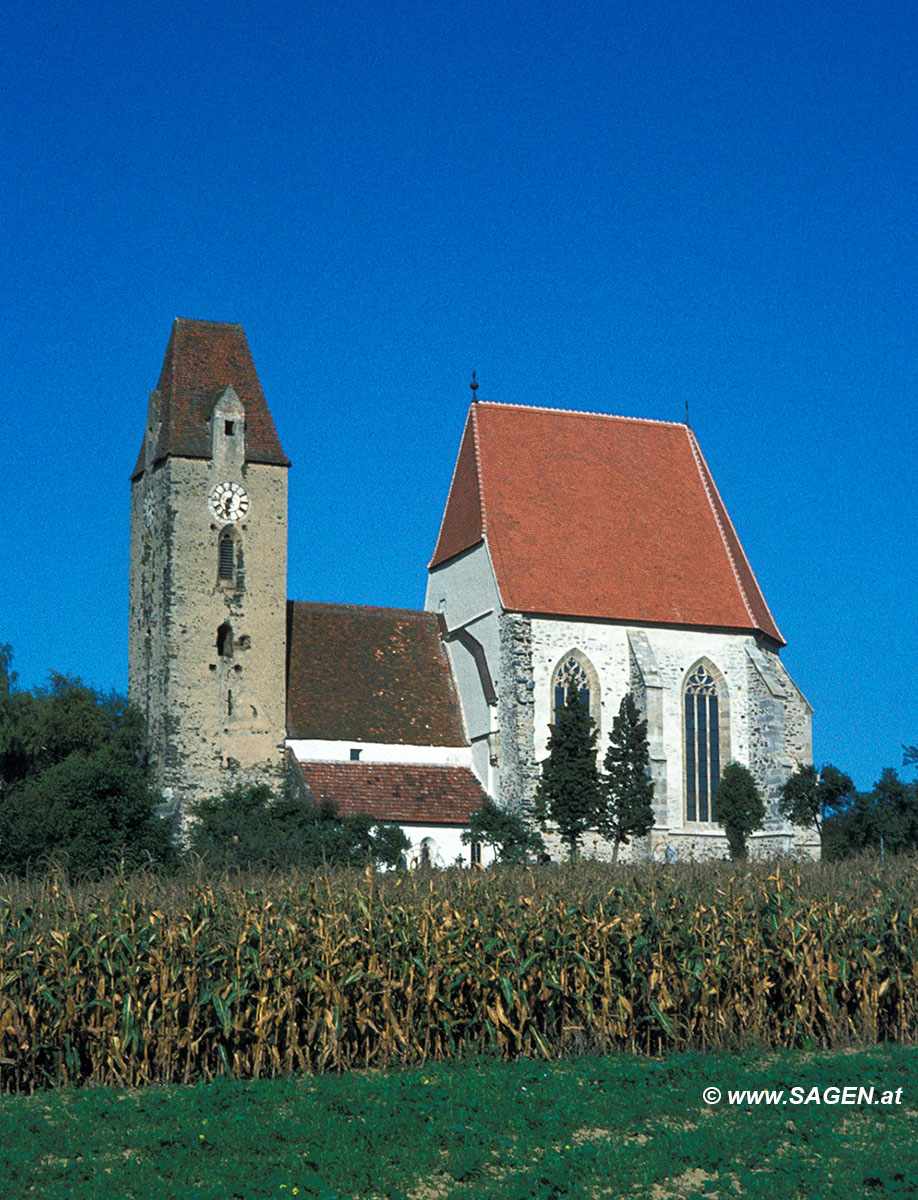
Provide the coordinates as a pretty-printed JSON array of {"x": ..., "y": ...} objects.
[
  {"x": 462, "y": 526},
  {"x": 202, "y": 359},
  {"x": 600, "y": 517},
  {"x": 377, "y": 675}
]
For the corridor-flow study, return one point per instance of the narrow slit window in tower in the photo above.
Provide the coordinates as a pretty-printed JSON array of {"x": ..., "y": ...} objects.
[
  {"x": 226, "y": 569},
  {"x": 225, "y": 641}
]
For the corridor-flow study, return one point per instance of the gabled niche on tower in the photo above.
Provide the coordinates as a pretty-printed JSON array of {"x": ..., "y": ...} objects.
[{"x": 228, "y": 430}]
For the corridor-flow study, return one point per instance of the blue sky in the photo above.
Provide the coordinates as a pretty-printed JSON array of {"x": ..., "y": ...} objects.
[{"x": 620, "y": 207}]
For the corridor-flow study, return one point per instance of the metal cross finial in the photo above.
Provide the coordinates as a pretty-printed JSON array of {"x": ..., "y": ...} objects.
[{"x": 474, "y": 385}]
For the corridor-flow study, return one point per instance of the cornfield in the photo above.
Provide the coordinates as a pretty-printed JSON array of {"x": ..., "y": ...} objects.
[{"x": 148, "y": 980}]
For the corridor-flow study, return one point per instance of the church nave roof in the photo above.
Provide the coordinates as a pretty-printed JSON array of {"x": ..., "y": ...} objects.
[{"x": 596, "y": 516}]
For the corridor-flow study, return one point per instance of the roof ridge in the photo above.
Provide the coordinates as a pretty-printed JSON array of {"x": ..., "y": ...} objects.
[
  {"x": 577, "y": 412},
  {"x": 199, "y": 321},
  {"x": 476, "y": 443},
  {"x": 377, "y": 608},
  {"x": 703, "y": 474}
]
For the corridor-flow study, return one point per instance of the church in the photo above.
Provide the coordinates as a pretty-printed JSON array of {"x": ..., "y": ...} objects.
[{"x": 574, "y": 547}]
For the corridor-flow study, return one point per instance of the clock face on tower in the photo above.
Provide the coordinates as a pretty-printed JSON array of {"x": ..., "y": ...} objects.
[{"x": 228, "y": 502}]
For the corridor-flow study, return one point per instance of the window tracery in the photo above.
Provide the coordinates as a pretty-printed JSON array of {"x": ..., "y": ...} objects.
[
  {"x": 574, "y": 668},
  {"x": 702, "y": 728}
]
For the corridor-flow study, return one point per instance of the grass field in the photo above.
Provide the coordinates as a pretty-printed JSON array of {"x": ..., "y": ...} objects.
[{"x": 618, "y": 1126}]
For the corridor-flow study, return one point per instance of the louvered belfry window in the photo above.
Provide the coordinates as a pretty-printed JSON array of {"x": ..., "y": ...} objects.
[
  {"x": 702, "y": 744},
  {"x": 227, "y": 559}
]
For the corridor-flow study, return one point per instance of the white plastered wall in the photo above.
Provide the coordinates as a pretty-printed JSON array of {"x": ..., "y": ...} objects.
[
  {"x": 464, "y": 591},
  {"x": 319, "y": 750},
  {"x": 448, "y": 848}
]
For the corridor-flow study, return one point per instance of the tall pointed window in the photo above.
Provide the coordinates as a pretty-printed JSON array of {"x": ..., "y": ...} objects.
[
  {"x": 702, "y": 743},
  {"x": 575, "y": 669},
  {"x": 226, "y": 566}
]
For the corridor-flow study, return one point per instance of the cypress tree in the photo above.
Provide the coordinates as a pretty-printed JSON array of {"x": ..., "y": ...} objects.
[
  {"x": 568, "y": 793},
  {"x": 627, "y": 785}
]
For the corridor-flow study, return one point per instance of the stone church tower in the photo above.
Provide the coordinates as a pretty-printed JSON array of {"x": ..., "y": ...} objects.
[{"x": 208, "y": 569}]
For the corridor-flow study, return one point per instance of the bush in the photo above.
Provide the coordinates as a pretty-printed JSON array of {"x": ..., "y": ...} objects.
[
  {"x": 738, "y": 807},
  {"x": 513, "y": 840},
  {"x": 248, "y": 826}
]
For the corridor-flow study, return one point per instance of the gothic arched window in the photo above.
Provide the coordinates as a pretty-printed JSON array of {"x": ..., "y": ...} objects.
[
  {"x": 575, "y": 669},
  {"x": 226, "y": 564},
  {"x": 702, "y": 743}
]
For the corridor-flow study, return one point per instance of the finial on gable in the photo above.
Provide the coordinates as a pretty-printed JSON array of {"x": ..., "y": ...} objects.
[{"x": 474, "y": 386}]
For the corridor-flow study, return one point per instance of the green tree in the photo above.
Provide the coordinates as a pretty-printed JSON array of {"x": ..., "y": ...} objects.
[
  {"x": 738, "y": 807},
  {"x": 808, "y": 799},
  {"x": 390, "y": 845},
  {"x": 7, "y": 674},
  {"x": 512, "y": 838},
  {"x": 248, "y": 826},
  {"x": 568, "y": 793},
  {"x": 7, "y": 709},
  {"x": 627, "y": 785},
  {"x": 885, "y": 818},
  {"x": 75, "y": 782}
]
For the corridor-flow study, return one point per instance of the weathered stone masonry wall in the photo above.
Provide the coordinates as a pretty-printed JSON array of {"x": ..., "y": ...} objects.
[
  {"x": 519, "y": 771},
  {"x": 764, "y": 720}
]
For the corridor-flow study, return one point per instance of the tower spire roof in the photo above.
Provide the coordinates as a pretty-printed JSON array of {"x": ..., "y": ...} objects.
[{"x": 202, "y": 359}]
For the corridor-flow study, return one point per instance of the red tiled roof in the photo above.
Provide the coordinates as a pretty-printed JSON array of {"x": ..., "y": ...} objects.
[
  {"x": 399, "y": 792},
  {"x": 203, "y": 358},
  {"x": 463, "y": 519},
  {"x": 597, "y": 516},
  {"x": 369, "y": 675}
]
